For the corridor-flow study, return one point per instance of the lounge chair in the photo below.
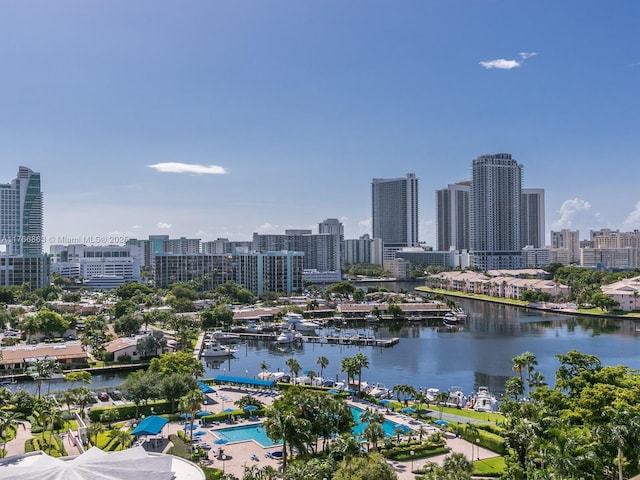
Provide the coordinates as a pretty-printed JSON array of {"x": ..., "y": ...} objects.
[{"x": 255, "y": 457}]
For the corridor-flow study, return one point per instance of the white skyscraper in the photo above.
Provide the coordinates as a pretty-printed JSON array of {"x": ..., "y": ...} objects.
[
  {"x": 395, "y": 211},
  {"x": 496, "y": 193}
]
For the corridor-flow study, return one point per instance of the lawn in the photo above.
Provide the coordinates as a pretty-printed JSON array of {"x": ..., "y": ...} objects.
[
  {"x": 492, "y": 467},
  {"x": 489, "y": 417}
]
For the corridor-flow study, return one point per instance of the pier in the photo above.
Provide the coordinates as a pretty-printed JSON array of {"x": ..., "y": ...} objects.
[{"x": 334, "y": 340}]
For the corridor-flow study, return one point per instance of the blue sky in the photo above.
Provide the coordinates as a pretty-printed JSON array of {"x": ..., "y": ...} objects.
[{"x": 299, "y": 104}]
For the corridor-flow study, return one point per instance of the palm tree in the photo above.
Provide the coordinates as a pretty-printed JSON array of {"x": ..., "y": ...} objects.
[
  {"x": 284, "y": 426},
  {"x": 623, "y": 430},
  {"x": 44, "y": 370},
  {"x": 361, "y": 362},
  {"x": 372, "y": 433},
  {"x": 264, "y": 366},
  {"x": 7, "y": 421},
  {"x": 294, "y": 367},
  {"x": 93, "y": 431},
  {"x": 349, "y": 367},
  {"x": 191, "y": 403},
  {"x": 519, "y": 364},
  {"x": 323, "y": 362},
  {"x": 441, "y": 399},
  {"x": 123, "y": 438}
]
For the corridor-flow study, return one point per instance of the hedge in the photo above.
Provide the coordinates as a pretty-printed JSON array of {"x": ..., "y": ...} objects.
[
  {"x": 488, "y": 439},
  {"x": 128, "y": 411}
]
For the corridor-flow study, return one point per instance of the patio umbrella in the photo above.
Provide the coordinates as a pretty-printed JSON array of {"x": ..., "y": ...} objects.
[
  {"x": 385, "y": 401},
  {"x": 250, "y": 408},
  {"x": 199, "y": 433},
  {"x": 229, "y": 410},
  {"x": 441, "y": 422},
  {"x": 203, "y": 413},
  {"x": 185, "y": 415},
  {"x": 352, "y": 390},
  {"x": 221, "y": 441},
  {"x": 408, "y": 410},
  {"x": 333, "y": 391}
]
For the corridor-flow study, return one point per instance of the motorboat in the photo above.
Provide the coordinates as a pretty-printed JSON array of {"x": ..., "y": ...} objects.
[
  {"x": 432, "y": 394},
  {"x": 450, "y": 320},
  {"x": 484, "y": 401},
  {"x": 380, "y": 391},
  {"x": 288, "y": 336},
  {"x": 225, "y": 337},
  {"x": 371, "y": 318},
  {"x": 456, "y": 397},
  {"x": 214, "y": 349},
  {"x": 306, "y": 326},
  {"x": 253, "y": 327}
]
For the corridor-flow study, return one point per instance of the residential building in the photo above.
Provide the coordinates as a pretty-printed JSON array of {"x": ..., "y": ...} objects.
[
  {"x": 395, "y": 211},
  {"x": 608, "y": 258},
  {"x": 399, "y": 268},
  {"x": 496, "y": 193},
  {"x": 425, "y": 258},
  {"x": 102, "y": 267},
  {"x": 262, "y": 272},
  {"x": 533, "y": 257},
  {"x": 211, "y": 270},
  {"x": 19, "y": 357},
  {"x": 626, "y": 292},
  {"x": 532, "y": 226},
  {"x": 452, "y": 216},
  {"x": 568, "y": 240},
  {"x": 159, "y": 244},
  {"x": 21, "y": 232},
  {"x": 21, "y": 214}
]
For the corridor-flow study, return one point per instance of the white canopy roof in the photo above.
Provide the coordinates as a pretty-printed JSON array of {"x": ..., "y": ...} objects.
[{"x": 94, "y": 464}]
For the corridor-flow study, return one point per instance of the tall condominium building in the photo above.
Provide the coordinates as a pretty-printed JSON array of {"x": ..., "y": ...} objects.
[
  {"x": 395, "y": 211},
  {"x": 158, "y": 244},
  {"x": 532, "y": 218},
  {"x": 496, "y": 193},
  {"x": 21, "y": 214},
  {"x": 569, "y": 241},
  {"x": 452, "y": 217}
]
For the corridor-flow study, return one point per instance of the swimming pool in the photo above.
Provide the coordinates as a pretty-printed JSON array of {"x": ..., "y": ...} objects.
[
  {"x": 388, "y": 426},
  {"x": 245, "y": 433},
  {"x": 257, "y": 433}
]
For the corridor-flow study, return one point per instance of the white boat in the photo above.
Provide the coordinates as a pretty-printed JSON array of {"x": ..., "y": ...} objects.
[
  {"x": 484, "y": 401},
  {"x": 380, "y": 391},
  {"x": 460, "y": 314},
  {"x": 214, "y": 349},
  {"x": 456, "y": 397},
  {"x": 225, "y": 337},
  {"x": 450, "y": 320},
  {"x": 432, "y": 394},
  {"x": 306, "y": 326},
  {"x": 288, "y": 336},
  {"x": 371, "y": 318},
  {"x": 253, "y": 327}
]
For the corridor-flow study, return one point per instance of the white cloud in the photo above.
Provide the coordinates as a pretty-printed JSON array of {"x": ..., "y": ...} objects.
[
  {"x": 136, "y": 227},
  {"x": 632, "y": 221},
  {"x": 364, "y": 226},
  {"x": 163, "y": 225},
  {"x": 177, "y": 167},
  {"x": 504, "y": 64},
  {"x": 577, "y": 214}
]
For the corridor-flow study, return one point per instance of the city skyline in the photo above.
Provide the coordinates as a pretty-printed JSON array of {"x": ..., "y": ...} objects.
[{"x": 224, "y": 119}]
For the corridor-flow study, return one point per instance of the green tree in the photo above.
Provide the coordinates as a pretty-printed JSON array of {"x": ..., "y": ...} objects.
[
  {"x": 176, "y": 385},
  {"x": 365, "y": 468},
  {"x": 294, "y": 367},
  {"x": 323, "y": 362},
  {"x": 139, "y": 386},
  {"x": 127, "y": 324},
  {"x": 179, "y": 362},
  {"x": 93, "y": 430},
  {"x": 192, "y": 403},
  {"x": 361, "y": 361},
  {"x": 8, "y": 422}
]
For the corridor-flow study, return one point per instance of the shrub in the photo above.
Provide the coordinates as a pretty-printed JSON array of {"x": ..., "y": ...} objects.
[{"x": 129, "y": 411}]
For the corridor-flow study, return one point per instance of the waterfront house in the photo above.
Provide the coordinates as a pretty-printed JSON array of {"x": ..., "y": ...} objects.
[{"x": 18, "y": 357}]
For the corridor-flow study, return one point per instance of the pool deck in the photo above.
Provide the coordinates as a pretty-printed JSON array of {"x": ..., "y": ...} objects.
[{"x": 240, "y": 454}]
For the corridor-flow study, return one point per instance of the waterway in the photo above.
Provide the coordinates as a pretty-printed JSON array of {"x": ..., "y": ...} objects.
[{"x": 478, "y": 353}]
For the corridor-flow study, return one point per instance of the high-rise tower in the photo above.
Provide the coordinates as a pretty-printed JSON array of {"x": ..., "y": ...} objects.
[
  {"x": 532, "y": 218},
  {"x": 395, "y": 211},
  {"x": 452, "y": 216},
  {"x": 496, "y": 193},
  {"x": 21, "y": 214}
]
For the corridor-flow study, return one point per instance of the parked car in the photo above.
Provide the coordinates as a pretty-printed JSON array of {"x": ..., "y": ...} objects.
[
  {"x": 114, "y": 394},
  {"x": 104, "y": 396}
]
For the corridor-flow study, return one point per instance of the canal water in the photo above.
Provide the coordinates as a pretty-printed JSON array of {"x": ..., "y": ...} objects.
[{"x": 478, "y": 353}]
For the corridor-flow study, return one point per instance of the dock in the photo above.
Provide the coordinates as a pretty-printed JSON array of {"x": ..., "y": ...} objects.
[{"x": 333, "y": 340}]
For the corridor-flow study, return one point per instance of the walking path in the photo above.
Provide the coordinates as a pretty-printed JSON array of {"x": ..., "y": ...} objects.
[{"x": 23, "y": 433}]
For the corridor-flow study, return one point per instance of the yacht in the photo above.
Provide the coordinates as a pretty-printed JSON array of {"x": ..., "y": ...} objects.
[
  {"x": 432, "y": 394},
  {"x": 380, "y": 391},
  {"x": 253, "y": 327},
  {"x": 307, "y": 326},
  {"x": 288, "y": 336},
  {"x": 371, "y": 318},
  {"x": 225, "y": 337},
  {"x": 484, "y": 401},
  {"x": 214, "y": 349},
  {"x": 450, "y": 320},
  {"x": 456, "y": 397}
]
